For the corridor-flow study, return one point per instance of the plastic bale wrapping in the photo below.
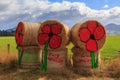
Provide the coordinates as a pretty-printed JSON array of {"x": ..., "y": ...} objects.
[
  {"x": 26, "y": 33},
  {"x": 55, "y": 32},
  {"x": 82, "y": 61},
  {"x": 57, "y": 61},
  {"x": 89, "y": 29},
  {"x": 31, "y": 57}
]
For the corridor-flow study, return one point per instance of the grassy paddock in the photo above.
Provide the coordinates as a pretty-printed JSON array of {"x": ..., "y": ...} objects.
[
  {"x": 4, "y": 57},
  {"x": 107, "y": 71},
  {"x": 4, "y": 41},
  {"x": 110, "y": 50},
  {"x": 112, "y": 47}
]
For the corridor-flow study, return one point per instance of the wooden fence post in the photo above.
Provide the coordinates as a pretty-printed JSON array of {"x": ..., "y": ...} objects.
[{"x": 8, "y": 53}]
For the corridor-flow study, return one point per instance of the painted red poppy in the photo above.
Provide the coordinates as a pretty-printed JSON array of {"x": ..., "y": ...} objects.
[
  {"x": 18, "y": 34},
  {"x": 91, "y": 34},
  {"x": 50, "y": 33}
]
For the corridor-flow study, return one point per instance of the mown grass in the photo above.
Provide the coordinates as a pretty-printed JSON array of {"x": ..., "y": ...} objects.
[
  {"x": 112, "y": 45},
  {"x": 109, "y": 70},
  {"x": 4, "y": 41},
  {"x": 110, "y": 49}
]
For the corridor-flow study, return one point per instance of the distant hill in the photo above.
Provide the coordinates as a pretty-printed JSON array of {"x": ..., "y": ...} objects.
[
  {"x": 113, "y": 29},
  {"x": 12, "y": 29}
]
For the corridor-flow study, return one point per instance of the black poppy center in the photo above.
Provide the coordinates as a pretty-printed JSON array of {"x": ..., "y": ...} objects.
[
  {"x": 92, "y": 36},
  {"x": 50, "y": 34}
]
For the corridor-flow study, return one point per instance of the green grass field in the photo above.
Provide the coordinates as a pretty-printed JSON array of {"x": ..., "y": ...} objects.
[
  {"x": 111, "y": 48},
  {"x": 4, "y": 41},
  {"x": 108, "y": 71}
]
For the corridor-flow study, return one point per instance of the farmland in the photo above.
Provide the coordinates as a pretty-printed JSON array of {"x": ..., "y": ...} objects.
[
  {"x": 4, "y": 41},
  {"x": 110, "y": 49},
  {"x": 109, "y": 53}
]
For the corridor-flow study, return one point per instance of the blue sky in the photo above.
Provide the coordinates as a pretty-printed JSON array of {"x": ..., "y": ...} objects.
[
  {"x": 95, "y": 4},
  {"x": 67, "y": 11}
]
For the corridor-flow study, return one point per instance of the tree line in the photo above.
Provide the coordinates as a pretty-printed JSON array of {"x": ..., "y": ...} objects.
[{"x": 6, "y": 33}]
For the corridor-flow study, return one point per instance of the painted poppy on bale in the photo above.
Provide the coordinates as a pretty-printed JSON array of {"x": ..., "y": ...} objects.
[
  {"x": 52, "y": 35},
  {"x": 91, "y": 34},
  {"x": 56, "y": 33},
  {"x": 18, "y": 34},
  {"x": 26, "y": 34}
]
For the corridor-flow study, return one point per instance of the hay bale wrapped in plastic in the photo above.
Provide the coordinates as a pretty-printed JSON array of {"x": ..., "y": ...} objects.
[
  {"x": 87, "y": 33},
  {"x": 26, "y": 33},
  {"x": 55, "y": 33}
]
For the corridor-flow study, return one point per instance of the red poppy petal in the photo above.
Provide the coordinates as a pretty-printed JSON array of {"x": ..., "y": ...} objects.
[
  {"x": 42, "y": 38},
  {"x": 19, "y": 27},
  {"x": 84, "y": 34},
  {"x": 92, "y": 25},
  {"x": 16, "y": 38},
  {"x": 91, "y": 45},
  {"x": 46, "y": 29},
  {"x": 56, "y": 29},
  {"x": 99, "y": 32},
  {"x": 55, "y": 42},
  {"x": 20, "y": 39}
]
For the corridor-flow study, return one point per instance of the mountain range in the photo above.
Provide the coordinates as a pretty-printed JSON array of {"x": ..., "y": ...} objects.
[{"x": 112, "y": 29}]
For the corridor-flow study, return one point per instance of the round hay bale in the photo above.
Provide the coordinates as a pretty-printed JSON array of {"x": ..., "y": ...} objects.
[
  {"x": 87, "y": 34},
  {"x": 31, "y": 58},
  {"x": 55, "y": 32},
  {"x": 82, "y": 60},
  {"x": 57, "y": 60},
  {"x": 26, "y": 33}
]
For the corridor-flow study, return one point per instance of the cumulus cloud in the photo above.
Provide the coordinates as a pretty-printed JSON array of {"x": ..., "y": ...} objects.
[
  {"x": 106, "y": 6},
  {"x": 13, "y": 11}
]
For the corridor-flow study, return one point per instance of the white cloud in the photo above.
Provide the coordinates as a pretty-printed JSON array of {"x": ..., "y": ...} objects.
[
  {"x": 13, "y": 11},
  {"x": 106, "y": 6}
]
